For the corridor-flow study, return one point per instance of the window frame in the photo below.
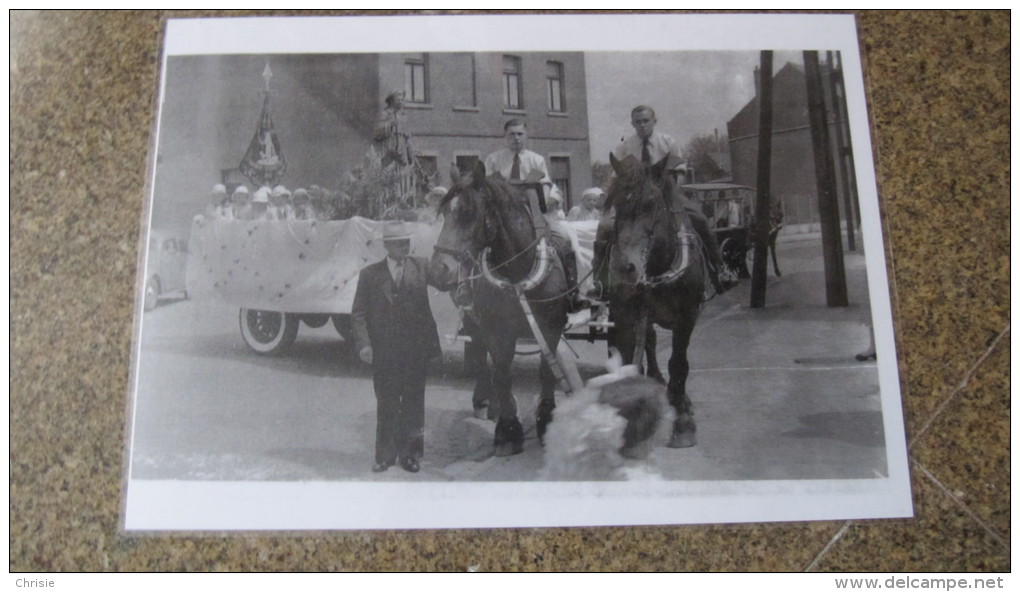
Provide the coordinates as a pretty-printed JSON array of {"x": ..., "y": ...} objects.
[
  {"x": 556, "y": 79},
  {"x": 411, "y": 65},
  {"x": 515, "y": 74}
]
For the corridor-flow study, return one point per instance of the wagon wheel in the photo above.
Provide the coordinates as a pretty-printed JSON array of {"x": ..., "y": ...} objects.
[
  {"x": 732, "y": 256},
  {"x": 749, "y": 261},
  {"x": 267, "y": 331}
]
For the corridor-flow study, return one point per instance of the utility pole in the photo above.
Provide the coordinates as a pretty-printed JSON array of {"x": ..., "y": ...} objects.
[
  {"x": 828, "y": 204},
  {"x": 849, "y": 141},
  {"x": 762, "y": 208},
  {"x": 841, "y": 153}
]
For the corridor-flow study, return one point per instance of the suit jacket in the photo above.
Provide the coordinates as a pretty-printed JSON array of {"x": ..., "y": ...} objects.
[{"x": 396, "y": 322}]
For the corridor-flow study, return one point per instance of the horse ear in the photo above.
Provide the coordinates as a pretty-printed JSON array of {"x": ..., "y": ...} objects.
[
  {"x": 454, "y": 173},
  {"x": 615, "y": 163},
  {"x": 478, "y": 174}
]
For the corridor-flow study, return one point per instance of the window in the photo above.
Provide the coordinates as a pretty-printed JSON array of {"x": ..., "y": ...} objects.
[
  {"x": 554, "y": 76},
  {"x": 512, "y": 82},
  {"x": 559, "y": 171},
  {"x": 416, "y": 79}
]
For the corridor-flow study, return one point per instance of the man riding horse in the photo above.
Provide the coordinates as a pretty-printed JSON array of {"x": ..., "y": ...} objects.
[
  {"x": 517, "y": 164},
  {"x": 648, "y": 146}
]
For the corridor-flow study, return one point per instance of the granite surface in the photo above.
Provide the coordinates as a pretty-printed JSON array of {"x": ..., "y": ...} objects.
[{"x": 82, "y": 103}]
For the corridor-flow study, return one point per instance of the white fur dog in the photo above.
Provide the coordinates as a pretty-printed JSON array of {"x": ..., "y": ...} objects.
[{"x": 606, "y": 431}]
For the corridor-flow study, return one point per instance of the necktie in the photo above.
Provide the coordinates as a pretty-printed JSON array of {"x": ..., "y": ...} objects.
[
  {"x": 398, "y": 273},
  {"x": 646, "y": 157},
  {"x": 515, "y": 171}
]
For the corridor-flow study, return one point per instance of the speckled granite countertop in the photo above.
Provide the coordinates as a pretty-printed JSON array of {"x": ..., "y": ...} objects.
[{"x": 82, "y": 103}]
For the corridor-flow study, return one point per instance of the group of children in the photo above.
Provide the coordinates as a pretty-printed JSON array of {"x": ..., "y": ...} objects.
[{"x": 276, "y": 203}]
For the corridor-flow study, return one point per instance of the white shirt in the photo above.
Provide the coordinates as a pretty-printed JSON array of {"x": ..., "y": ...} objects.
[
  {"x": 502, "y": 162},
  {"x": 659, "y": 146},
  {"x": 394, "y": 266}
]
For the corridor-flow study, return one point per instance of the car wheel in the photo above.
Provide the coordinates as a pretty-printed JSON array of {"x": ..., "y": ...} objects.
[{"x": 268, "y": 332}]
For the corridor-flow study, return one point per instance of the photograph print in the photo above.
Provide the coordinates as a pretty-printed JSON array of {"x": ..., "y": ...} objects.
[{"x": 400, "y": 274}]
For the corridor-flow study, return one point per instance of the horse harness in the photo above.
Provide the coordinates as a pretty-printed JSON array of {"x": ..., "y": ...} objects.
[{"x": 539, "y": 272}]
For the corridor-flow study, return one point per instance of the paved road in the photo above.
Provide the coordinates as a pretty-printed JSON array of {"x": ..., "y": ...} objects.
[{"x": 777, "y": 391}]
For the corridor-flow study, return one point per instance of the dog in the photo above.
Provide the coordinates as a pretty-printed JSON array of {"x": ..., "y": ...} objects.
[{"x": 607, "y": 430}]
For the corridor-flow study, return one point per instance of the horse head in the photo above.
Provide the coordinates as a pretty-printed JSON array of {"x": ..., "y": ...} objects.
[
  {"x": 486, "y": 225},
  {"x": 644, "y": 231},
  {"x": 465, "y": 230}
]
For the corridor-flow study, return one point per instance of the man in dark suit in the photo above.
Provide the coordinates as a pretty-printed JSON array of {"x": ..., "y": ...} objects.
[{"x": 395, "y": 332}]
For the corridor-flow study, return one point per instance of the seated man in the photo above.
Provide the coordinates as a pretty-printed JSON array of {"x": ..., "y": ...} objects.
[
  {"x": 648, "y": 147},
  {"x": 518, "y": 165}
]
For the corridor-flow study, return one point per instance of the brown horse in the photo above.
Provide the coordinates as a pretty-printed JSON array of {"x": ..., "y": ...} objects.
[
  {"x": 655, "y": 276},
  {"x": 490, "y": 252}
]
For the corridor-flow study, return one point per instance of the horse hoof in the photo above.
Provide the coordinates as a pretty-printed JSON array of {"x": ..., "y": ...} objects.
[
  {"x": 482, "y": 413},
  {"x": 509, "y": 437},
  {"x": 544, "y": 417},
  {"x": 683, "y": 440},
  {"x": 684, "y": 433}
]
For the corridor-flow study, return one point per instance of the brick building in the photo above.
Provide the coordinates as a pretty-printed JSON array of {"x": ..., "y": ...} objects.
[
  {"x": 324, "y": 107},
  {"x": 793, "y": 168}
]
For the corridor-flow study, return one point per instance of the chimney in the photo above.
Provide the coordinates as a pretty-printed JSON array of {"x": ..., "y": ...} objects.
[{"x": 757, "y": 81}]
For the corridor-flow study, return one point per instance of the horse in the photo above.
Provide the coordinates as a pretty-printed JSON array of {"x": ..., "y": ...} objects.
[
  {"x": 776, "y": 217},
  {"x": 492, "y": 253},
  {"x": 656, "y": 276}
]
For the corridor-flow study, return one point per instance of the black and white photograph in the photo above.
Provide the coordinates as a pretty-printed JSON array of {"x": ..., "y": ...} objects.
[{"x": 512, "y": 271}]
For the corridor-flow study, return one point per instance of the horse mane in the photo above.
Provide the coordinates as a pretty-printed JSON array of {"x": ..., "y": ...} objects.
[
  {"x": 480, "y": 195},
  {"x": 635, "y": 180}
]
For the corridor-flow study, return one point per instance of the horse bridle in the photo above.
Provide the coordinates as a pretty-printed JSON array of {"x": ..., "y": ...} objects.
[
  {"x": 680, "y": 256},
  {"x": 477, "y": 266}
]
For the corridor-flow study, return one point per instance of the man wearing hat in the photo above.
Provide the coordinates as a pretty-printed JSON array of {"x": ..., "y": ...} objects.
[
  {"x": 589, "y": 207},
  {"x": 395, "y": 332},
  {"x": 390, "y": 133}
]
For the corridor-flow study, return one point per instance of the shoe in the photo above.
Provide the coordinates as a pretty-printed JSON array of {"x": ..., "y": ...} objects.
[
  {"x": 380, "y": 467},
  {"x": 410, "y": 464}
]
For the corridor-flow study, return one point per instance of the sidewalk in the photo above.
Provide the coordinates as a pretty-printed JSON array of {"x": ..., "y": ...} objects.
[{"x": 778, "y": 393}]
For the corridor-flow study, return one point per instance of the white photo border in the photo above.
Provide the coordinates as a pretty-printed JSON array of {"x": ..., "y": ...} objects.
[{"x": 230, "y": 506}]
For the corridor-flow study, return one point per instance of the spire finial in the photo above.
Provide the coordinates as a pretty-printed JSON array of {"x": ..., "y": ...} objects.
[{"x": 267, "y": 74}]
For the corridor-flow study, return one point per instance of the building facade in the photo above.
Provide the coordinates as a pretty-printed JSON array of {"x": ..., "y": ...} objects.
[
  {"x": 324, "y": 108},
  {"x": 457, "y": 104},
  {"x": 793, "y": 164}
]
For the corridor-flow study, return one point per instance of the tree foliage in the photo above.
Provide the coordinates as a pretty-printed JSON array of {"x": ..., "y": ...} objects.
[{"x": 698, "y": 153}]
